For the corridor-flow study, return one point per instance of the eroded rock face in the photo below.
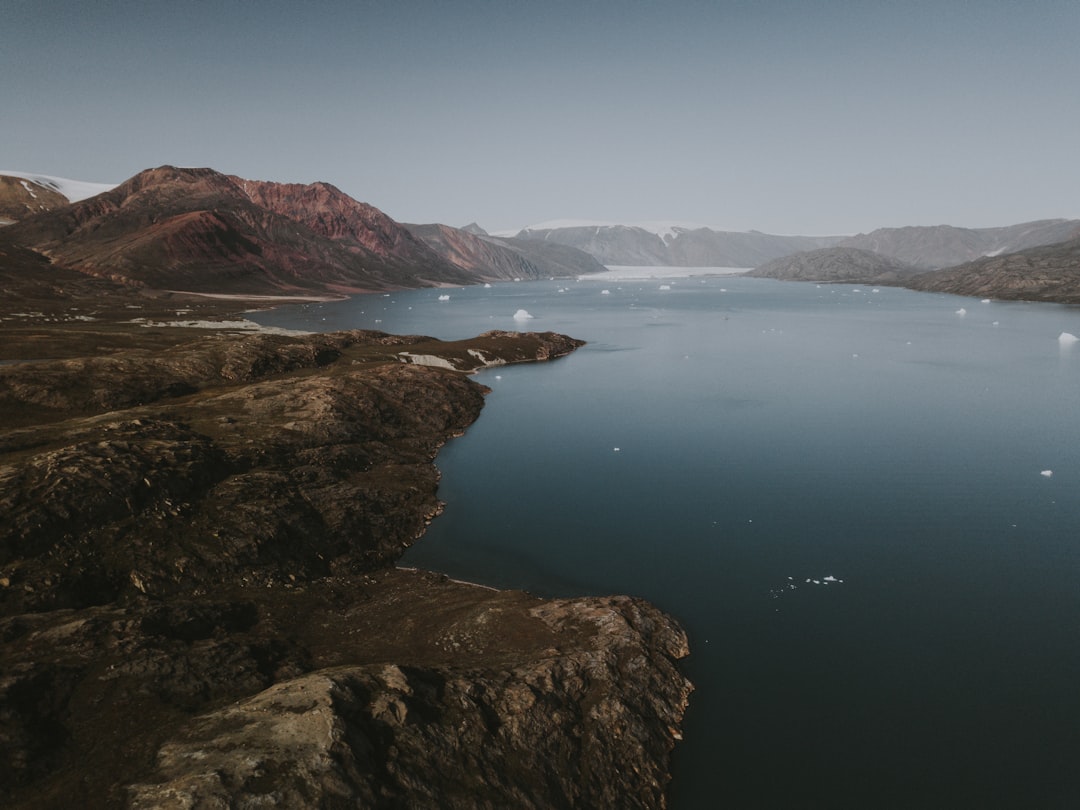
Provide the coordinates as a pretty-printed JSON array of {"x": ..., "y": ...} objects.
[
  {"x": 583, "y": 728},
  {"x": 197, "y": 608}
]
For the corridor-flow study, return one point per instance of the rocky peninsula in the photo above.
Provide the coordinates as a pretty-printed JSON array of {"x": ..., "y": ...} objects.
[{"x": 199, "y": 604}]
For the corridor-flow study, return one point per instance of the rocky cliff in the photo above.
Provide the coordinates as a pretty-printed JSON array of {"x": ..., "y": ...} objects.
[{"x": 198, "y": 606}]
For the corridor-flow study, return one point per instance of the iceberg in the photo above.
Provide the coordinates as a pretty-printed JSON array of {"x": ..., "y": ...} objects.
[
  {"x": 522, "y": 315},
  {"x": 961, "y": 311},
  {"x": 1067, "y": 339},
  {"x": 1047, "y": 473},
  {"x": 442, "y": 298}
]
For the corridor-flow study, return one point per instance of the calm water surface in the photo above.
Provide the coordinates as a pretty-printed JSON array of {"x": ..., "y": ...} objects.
[{"x": 839, "y": 492}]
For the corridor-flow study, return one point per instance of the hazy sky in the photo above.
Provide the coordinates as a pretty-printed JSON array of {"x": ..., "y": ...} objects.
[{"x": 786, "y": 117}]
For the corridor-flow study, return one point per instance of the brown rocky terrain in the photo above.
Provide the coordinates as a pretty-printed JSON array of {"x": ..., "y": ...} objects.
[
  {"x": 21, "y": 198},
  {"x": 836, "y": 265},
  {"x": 198, "y": 604},
  {"x": 1049, "y": 273}
]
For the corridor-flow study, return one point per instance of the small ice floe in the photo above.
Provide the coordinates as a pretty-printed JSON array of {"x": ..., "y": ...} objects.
[
  {"x": 487, "y": 286},
  {"x": 1067, "y": 339},
  {"x": 498, "y": 376},
  {"x": 441, "y": 298},
  {"x": 961, "y": 311},
  {"x": 1047, "y": 473},
  {"x": 665, "y": 286},
  {"x": 605, "y": 292},
  {"x": 995, "y": 323},
  {"x": 875, "y": 290},
  {"x": 522, "y": 315},
  {"x": 985, "y": 301},
  {"x": 616, "y": 449}
]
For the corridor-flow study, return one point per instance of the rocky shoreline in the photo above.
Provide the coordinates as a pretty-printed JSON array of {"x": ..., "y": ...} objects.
[{"x": 199, "y": 605}]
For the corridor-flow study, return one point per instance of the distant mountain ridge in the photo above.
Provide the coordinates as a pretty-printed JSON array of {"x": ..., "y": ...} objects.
[
  {"x": 676, "y": 245},
  {"x": 934, "y": 247},
  {"x": 492, "y": 259}
]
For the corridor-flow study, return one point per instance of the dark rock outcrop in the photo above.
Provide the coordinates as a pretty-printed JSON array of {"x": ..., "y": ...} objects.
[
  {"x": 837, "y": 264},
  {"x": 1050, "y": 273},
  {"x": 197, "y": 608}
]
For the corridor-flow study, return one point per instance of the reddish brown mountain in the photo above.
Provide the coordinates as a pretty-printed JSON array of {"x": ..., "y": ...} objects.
[{"x": 203, "y": 231}]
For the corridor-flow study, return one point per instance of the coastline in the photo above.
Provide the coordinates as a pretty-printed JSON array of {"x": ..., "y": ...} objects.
[{"x": 198, "y": 448}]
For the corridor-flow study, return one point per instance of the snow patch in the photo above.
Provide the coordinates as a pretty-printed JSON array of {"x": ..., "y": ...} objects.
[{"x": 426, "y": 360}]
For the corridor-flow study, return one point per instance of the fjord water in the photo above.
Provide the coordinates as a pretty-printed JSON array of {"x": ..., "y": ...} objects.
[{"x": 839, "y": 491}]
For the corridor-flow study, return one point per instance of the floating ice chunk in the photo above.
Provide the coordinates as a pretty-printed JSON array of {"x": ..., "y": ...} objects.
[
  {"x": 1046, "y": 473},
  {"x": 605, "y": 292},
  {"x": 1067, "y": 338},
  {"x": 498, "y": 376},
  {"x": 875, "y": 290},
  {"x": 985, "y": 301},
  {"x": 831, "y": 578},
  {"x": 522, "y": 315},
  {"x": 616, "y": 449},
  {"x": 665, "y": 286},
  {"x": 487, "y": 286},
  {"x": 441, "y": 298},
  {"x": 995, "y": 323},
  {"x": 961, "y": 311}
]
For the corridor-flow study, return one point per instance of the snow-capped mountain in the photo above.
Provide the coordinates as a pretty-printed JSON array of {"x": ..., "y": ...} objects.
[{"x": 73, "y": 190}]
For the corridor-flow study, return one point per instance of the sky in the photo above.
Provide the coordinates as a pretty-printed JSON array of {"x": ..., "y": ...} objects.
[{"x": 783, "y": 116}]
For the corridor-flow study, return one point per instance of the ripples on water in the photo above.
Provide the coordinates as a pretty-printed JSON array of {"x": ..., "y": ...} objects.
[{"x": 774, "y": 439}]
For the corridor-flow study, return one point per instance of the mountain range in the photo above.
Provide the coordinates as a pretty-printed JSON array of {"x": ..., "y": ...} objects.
[
  {"x": 198, "y": 230},
  {"x": 674, "y": 245}
]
